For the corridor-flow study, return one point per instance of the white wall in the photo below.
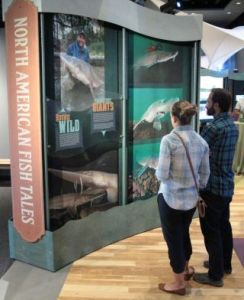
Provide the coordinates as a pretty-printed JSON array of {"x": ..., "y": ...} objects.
[{"x": 4, "y": 133}]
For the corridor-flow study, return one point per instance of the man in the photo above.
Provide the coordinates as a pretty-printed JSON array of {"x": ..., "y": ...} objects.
[
  {"x": 78, "y": 48},
  {"x": 239, "y": 109},
  {"x": 221, "y": 136}
]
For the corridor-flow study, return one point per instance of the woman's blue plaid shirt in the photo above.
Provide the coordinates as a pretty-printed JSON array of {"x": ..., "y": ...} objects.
[{"x": 173, "y": 171}]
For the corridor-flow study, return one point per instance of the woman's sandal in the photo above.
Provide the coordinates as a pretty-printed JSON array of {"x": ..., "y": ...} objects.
[
  {"x": 189, "y": 275},
  {"x": 180, "y": 292}
]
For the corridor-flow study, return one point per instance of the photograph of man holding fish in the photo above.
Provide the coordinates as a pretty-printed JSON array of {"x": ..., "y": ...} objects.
[{"x": 82, "y": 66}]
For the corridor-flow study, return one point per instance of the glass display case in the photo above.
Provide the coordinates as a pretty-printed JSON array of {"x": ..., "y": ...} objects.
[
  {"x": 103, "y": 84},
  {"x": 83, "y": 112}
]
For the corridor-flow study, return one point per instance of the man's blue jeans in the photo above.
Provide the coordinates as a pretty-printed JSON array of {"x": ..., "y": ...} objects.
[{"x": 217, "y": 232}]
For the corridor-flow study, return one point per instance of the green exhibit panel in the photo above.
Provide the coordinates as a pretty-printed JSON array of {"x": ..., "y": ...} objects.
[{"x": 106, "y": 74}]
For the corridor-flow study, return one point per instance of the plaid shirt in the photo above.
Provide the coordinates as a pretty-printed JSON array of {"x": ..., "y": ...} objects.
[
  {"x": 221, "y": 136},
  {"x": 173, "y": 171}
]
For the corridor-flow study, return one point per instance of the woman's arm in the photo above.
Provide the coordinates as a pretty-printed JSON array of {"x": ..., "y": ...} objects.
[{"x": 162, "y": 171}]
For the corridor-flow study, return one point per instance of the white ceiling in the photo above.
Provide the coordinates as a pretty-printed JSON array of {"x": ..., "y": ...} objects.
[
  {"x": 223, "y": 17},
  {"x": 219, "y": 17}
]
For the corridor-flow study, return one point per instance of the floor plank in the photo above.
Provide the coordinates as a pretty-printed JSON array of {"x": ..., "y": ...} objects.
[{"x": 132, "y": 268}]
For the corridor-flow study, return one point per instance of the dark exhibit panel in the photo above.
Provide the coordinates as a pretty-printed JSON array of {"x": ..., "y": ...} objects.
[{"x": 83, "y": 117}]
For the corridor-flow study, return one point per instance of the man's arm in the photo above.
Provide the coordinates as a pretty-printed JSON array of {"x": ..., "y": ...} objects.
[
  {"x": 209, "y": 134},
  {"x": 204, "y": 169}
]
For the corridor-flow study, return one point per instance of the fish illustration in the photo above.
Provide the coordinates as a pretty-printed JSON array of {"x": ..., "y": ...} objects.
[
  {"x": 73, "y": 200},
  {"x": 150, "y": 162},
  {"x": 156, "y": 111},
  {"x": 94, "y": 179},
  {"x": 155, "y": 57},
  {"x": 82, "y": 71}
]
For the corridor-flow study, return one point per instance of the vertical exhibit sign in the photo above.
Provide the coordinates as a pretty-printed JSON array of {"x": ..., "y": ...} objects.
[{"x": 22, "y": 38}]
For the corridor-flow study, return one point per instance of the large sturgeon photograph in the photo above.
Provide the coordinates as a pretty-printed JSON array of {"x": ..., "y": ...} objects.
[
  {"x": 154, "y": 123},
  {"x": 154, "y": 65},
  {"x": 79, "y": 77},
  {"x": 154, "y": 57},
  {"x": 81, "y": 83},
  {"x": 95, "y": 188}
]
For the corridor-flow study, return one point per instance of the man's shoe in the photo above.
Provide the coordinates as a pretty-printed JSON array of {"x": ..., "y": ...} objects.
[
  {"x": 228, "y": 271},
  {"x": 206, "y": 265},
  {"x": 205, "y": 279}
]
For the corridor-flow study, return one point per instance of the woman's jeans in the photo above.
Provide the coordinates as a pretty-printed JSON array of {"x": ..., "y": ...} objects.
[{"x": 175, "y": 226}]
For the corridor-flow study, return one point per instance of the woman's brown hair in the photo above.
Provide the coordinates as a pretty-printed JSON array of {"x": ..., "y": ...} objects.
[{"x": 184, "y": 111}]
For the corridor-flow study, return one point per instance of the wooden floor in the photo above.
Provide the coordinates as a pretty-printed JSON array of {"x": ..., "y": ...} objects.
[{"x": 132, "y": 268}]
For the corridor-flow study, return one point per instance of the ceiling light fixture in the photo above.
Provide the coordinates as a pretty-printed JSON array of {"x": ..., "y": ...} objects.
[{"x": 178, "y": 4}]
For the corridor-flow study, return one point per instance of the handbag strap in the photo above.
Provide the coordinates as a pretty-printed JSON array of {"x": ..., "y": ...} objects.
[{"x": 189, "y": 159}]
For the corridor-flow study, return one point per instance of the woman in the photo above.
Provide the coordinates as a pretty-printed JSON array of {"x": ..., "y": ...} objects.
[{"x": 177, "y": 196}]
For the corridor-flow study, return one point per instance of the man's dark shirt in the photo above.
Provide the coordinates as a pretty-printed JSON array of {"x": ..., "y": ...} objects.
[{"x": 221, "y": 136}]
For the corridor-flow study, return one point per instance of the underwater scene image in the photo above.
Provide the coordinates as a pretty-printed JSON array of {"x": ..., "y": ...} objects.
[{"x": 156, "y": 81}]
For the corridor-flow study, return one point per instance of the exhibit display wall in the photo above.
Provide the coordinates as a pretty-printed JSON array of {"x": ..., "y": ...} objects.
[{"x": 101, "y": 100}]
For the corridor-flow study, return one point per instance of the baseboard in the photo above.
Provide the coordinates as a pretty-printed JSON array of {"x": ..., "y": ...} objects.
[{"x": 78, "y": 238}]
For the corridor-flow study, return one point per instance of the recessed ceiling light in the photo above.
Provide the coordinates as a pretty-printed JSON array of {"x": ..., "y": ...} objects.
[
  {"x": 178, "y": 4},
  {"x": 238, "y": 2},
  {"x": 228, "y": 12}
]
